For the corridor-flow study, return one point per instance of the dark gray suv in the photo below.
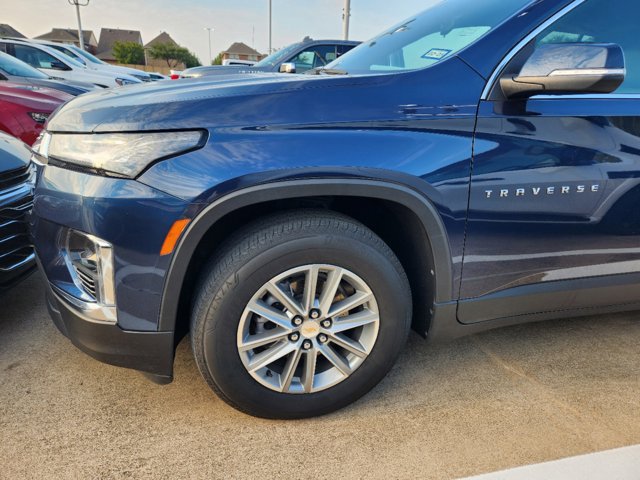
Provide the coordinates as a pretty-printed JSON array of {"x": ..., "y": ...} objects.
[{"x": 296, "y": 58}]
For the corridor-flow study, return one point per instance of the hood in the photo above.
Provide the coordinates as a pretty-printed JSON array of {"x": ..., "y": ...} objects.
[
  {"x": 43, "y": 98},
  {"x": 13, "y": 153},
  {"x": 72, "y": 88},
  {"x": 116, "y": 69},
  {"x": 217, "y": 70},
  {"x": 189, "y": 103},
  {"x": 105, "y": 77},
  {"x": 84, "y": 86}
]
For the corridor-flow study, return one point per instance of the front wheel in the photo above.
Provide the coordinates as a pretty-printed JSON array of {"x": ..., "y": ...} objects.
[{"x": 299, "y": 315}]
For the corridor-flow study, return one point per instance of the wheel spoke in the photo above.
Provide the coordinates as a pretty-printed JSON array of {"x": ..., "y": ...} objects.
[
  {"x": 328, "y": 306},
  {"x": 350, "y": 345},
  {"x": 261, "y": 339},
  {"x": 269, "y": 313},
  {"x": 310, "y": 285},
  {"x": 309, "y": 369},
  {"x": 289, "y": 369},
  {"x": 290, "y": 304},
  {"x": 356, "y": 320},
  {"x": 329, "y": 289},
  {"x": 335, "y": 358},
  {"x": 349, "y": 303},
  {"x": 270, "y": 355}
]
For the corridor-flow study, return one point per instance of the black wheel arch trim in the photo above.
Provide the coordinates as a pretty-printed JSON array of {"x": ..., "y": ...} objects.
[{"x": 420, "y": 205}]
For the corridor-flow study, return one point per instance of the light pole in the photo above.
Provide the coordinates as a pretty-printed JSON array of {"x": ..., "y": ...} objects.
[
  {"x": 346, "y": 16},
  {"x": 270, "y": 27},
  {"x": 210, "y": 29},
  {"x": 78, "y": 4}
]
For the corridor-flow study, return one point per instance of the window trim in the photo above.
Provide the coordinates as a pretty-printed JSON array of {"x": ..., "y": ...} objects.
[{"x": 493, "y": 79}]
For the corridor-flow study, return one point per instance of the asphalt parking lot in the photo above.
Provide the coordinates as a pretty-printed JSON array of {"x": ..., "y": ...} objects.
[{"x": 502, "y": 399}]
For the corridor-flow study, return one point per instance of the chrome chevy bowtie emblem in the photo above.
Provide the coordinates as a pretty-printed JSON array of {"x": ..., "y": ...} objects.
[{"x": 541, "y": 191}]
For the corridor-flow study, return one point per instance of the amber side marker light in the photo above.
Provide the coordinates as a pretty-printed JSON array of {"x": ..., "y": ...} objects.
[{"x": 173, "y": 236}]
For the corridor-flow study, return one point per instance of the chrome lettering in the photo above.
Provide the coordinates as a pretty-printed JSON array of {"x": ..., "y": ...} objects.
[{"x": 538, "y": 191}]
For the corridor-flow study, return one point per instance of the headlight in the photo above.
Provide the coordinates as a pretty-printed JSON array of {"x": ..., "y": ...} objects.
[
  {"x": 123, "y": 154},
  {"x": 124, "y": 81}
]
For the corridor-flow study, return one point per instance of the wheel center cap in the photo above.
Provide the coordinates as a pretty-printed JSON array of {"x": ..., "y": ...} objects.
[{"x": 310, "y": 329}]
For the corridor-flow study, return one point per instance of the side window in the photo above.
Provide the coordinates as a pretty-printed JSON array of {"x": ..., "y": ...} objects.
[
  {"x": 314, "y": 57},
  {"x": 602, "y": 21},
  {"x": 69, "y": 54},
  {"x": 342, "y": 49},
  {"x": 36, "y": 58},
  {"x": 326, "y": 54},
  {"x": 3, "y": 47}
]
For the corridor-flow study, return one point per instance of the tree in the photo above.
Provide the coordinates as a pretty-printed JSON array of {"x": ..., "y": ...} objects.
[
  {"x": 129, "y": 53},
  {"x": 218, "y": 59},
  {"x": 173, "y": 55},
  {"x": 191, "y": 60}
]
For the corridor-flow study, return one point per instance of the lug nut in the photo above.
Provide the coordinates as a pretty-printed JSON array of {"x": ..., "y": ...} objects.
[
  {"x": 306, "y": 344},
  {"x": 326, "y": 323},
  {"x": 294, "y": 337},
  {"x": 322, "y": 338},
  {"x": 297, "y": 321},
  {"x": 315, "y": 313}
]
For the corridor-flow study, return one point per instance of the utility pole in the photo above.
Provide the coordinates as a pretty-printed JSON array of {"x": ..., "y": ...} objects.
[
  {"x": 270, "y": 28},
  {"x": 346, "y": 16},
  {"x": 78, "y": 4},
  {"x": 210, "y": 29}
]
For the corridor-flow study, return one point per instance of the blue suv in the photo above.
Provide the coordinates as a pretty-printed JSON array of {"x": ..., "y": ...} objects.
[{"x": 475, "y": 166}]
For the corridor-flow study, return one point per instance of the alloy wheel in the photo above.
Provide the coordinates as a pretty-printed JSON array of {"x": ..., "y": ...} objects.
[{"x": 308, "y": 329}]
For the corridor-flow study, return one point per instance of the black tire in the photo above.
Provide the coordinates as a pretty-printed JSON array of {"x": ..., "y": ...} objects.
[{"x": 267, "y": 248}]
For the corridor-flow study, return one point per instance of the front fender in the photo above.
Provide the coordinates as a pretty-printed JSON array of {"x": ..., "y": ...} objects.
[{"x": 420, "y": 205}]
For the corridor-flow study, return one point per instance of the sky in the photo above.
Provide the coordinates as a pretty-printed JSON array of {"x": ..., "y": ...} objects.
[{"x": 232, "y": 20}]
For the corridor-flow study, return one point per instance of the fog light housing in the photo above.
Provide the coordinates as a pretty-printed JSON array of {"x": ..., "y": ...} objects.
[{"x": 90, "y": 262}]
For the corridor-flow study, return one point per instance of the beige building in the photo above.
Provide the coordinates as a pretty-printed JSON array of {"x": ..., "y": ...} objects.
[
  {"x": 7, "y": 31},
  {"x": 69, "y": 35},
  {"x": 164, "y": 37},
  {"x": 109, "y": 36},
  {"x": 240, "y": 51}
]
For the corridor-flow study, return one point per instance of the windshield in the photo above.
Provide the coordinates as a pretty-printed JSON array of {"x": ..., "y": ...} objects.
[
  {"x": 434, "y": 35},
  {"x": 278, "y": 57},
  {"x": 15, "y": 67},
  {"x": 69, "y": 53},
  {"x": 62, "y": 57},
  {"x": 86, "y": 55}
]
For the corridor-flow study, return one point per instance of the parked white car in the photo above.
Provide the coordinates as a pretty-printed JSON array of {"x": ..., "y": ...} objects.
[
  {"x": 58, "y": 65},
  {"x": 90, "y": 61}
]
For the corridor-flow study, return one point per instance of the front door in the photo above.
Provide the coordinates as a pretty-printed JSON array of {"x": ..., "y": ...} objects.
[{"x": 554, "y": 217}]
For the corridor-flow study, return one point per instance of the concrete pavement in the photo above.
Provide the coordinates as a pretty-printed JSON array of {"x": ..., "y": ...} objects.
[{"x": 498, "y": 400}]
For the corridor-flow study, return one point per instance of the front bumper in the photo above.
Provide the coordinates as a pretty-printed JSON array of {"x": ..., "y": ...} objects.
[
  {"x": 149, "y": 352},
  {"x": 134, "y": 219},
  {"x": 17, "y": 260}
]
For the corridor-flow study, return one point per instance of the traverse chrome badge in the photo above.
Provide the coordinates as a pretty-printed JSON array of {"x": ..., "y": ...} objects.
[{"x": 541, "y": 191}]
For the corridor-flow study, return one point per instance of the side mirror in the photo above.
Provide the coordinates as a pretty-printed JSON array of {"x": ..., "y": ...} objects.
[
  {"x": 56, "y": 65},
  {"x": 288, "y": 67},
  {"x": 568, "y": 68}
]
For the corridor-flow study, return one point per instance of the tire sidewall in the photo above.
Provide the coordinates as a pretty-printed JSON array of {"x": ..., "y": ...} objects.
[{"x": 222, "y": 359}]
